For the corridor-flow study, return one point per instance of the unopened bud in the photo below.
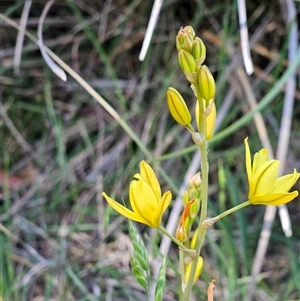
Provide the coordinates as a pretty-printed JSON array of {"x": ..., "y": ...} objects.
[
  {"x": 194, "y": 239},
  {"x": 195, "y": 181},
  {"x": 206, "y": 84},
  {"x": 189, "y": 29},
  {"x": 209, "y": 119},
  {"x": 188, "y": 65},
  {"x": 195, "y": 207},
  {"x": 181, "y": 234},
  {"x": 210, "y": 122},
  {"x": 193, "y": 193},
  {"x": 178, "y": 107},
  {"x": 199, "y": 51},
  {"x": 198, "y": 270},
  {"x": 185, "y": 198},
  {"x": 184, "y": 40}
]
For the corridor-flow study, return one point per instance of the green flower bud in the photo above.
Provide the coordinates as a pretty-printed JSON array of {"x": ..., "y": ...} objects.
[
  {"x": 194, "y": 210},
  {"x": 178, "y": 107},
  {"x": 185, "y": 198},
  {"x": 193, "y": 193},
  {"x": 206, "y": 84},
  {"x": 199, "y": 51},
  {"x": 188, "y": 65},
  {"x": 184, "y": 41},
  {"x": 189, "y": 29}
]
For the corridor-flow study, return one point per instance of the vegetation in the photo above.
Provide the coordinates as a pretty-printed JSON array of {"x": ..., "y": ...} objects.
[{"x": 59, "y": 239}]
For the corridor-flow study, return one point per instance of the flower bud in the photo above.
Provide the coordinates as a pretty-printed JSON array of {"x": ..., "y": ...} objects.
[
  {"x": 199, "y": 51},
  {"x": 185, "y": 198},
  {"x": 193, "y": 193},
  {"x": 184, "y": 40},
  {"x": 198, "y": 270},
  {"x": 206, "y": 84},
  {"x": 194, "y": 238},
  {"x": 195, "y": 181},
  {"x": 210, "y": 119},
  {"x": 178, "y": 107},
  {"x": 181, "y": 234},
  {"x": 189, "y": 29},
  {"x": 210, "y": 122},
  {"x": 197, "y": 114},
  {"x": 195, "y": 208},
  {"x": 188, "y": 65}
]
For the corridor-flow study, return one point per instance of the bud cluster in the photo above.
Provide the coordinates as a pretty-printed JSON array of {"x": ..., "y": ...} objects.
[
  {"x": 193, "y": 193},
  {"x": 191, "y": 55},
  {"x": 191, "y": 201}
]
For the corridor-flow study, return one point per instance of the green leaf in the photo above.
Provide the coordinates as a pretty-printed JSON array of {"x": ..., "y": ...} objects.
[{"x": 140, "y": 252}]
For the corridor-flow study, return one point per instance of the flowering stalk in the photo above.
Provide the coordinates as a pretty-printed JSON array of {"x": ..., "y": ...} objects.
[
  {"x": 191, "y": 55},
  {"x": 203, "y": 212},
  {"x": 147, "y": 201}
]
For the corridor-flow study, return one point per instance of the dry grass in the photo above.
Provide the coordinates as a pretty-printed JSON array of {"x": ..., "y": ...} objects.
[{"x": 59, "y": 240}]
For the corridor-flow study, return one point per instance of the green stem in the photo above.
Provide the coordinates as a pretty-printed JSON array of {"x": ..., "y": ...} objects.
[
  {"x": 203, "y": 214},
  {"x": 210, "y": 221},
  {"x": 190, "y": 252},
  {"x": 182, "y": 269}
]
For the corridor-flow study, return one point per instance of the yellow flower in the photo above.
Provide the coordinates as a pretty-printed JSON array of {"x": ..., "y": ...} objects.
[
  {"x": 148, "y": 205},
  {"x": 265, "y": 188}
]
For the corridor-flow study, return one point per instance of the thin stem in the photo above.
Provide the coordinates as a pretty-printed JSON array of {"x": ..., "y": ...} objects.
[
  {"x": 190, "y": 252},
  {"x": 204, "y": 186},
  {"x": 182, "y": 269},
  {"x": 210, "y": 221}
]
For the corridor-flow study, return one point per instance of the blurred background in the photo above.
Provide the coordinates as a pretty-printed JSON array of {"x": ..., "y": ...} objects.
[{"x": 60, "y": 148}]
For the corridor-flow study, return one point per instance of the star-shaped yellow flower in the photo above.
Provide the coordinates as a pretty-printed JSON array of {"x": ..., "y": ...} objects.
[
  {"x": 148, "y": 205},
  {"x": 265, "y": 188}
]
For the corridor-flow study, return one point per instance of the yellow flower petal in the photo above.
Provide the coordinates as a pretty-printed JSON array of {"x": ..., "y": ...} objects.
[
  {"x": 124, "y": 211},
  {"x": 248, "y": 159},
  {"x": 265, "y": 177},
  {"x": 149, "y": 176},
  {"x": 275, "y": 199},
  {"x": 166, "y": 200},
  {"x": 142, "y": 199},
  {"x": 161, "y": 207},
  {"x": 260, "y": 159},
  {"x": 285, "y": 183}
]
